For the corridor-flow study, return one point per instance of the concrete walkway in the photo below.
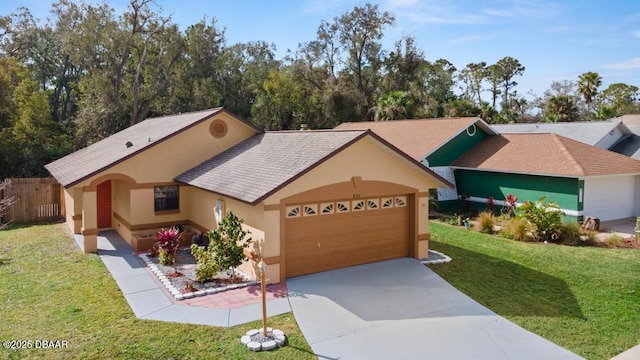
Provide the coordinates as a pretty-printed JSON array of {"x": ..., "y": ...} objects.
[
  {"x": 623, "y": 227},
  {"x": 149, "y": 301},
  {"x": 631, "y": 354},
  {"x": 400, "y": 309}
]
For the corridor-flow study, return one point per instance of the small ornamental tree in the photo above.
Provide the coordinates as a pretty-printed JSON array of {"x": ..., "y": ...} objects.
[
  {"x": 226, "y": 247},
  {"x": 544, "y": 218}
]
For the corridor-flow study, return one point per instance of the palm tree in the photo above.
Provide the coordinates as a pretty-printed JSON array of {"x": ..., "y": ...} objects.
[
  {"x": 588, "y": 84},
  {"x": 560, "y": 108},
  {"x": 394, "y": 106}
]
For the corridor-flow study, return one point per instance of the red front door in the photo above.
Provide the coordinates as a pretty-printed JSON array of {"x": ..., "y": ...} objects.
[{"x": 104, "y": 204}]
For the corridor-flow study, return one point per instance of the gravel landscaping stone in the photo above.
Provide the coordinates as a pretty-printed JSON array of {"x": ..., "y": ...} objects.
[
  {"x": 255, "y": 339},
  {"x": 436, "y": 257},
  {"x": 186, "y": 265}
]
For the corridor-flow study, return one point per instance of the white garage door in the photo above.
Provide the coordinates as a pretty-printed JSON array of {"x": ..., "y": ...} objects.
[{"x": 609, "y": 198}]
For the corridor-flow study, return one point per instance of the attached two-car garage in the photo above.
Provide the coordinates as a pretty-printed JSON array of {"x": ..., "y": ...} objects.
[
  {"x": 329, "y": 235},
  {"x": 320, "y": 200}
]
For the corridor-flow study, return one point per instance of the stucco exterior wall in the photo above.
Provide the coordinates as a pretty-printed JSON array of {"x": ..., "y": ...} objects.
[
  {"x": 369, "y": 162},
  {"x": 143, "y": 211},
  {"x": 133, "y": 192},
  {"x": 121, "y": 199},
  {"x": 365, "y": 159},
  {"x": 73, "y": 209},
  {"x": 162, "y": 162},
  {"x": 200, "y": 204}
]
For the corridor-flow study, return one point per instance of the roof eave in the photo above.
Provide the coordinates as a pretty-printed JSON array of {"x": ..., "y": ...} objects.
[{"x": 515, "y": 172}]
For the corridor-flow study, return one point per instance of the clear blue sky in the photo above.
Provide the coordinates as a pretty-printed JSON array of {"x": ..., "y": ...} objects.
[{"x": 554, "y": 40}]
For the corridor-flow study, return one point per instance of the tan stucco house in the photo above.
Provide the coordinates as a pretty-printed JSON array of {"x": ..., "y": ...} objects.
[{"x": 318, "y": 200}]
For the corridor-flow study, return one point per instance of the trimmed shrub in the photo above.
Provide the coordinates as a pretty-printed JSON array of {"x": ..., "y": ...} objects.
[{"x": 207, "y": 268}]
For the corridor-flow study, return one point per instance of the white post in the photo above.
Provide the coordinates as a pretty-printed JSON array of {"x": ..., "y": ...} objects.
[{"x": 263, "y": 268}]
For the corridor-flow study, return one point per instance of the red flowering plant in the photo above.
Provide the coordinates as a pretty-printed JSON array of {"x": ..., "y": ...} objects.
[
  {"x": 490, "y": 202},
  {"x": 511, "y": 201},
  {"x": 168, "y": 245}
]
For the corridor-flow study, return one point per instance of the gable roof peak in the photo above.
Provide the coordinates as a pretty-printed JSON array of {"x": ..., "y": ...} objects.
[
  {"x": 126, "y": 143},
  {"x": 256, "y": 168},
  {"x": 419, "y": 137}
]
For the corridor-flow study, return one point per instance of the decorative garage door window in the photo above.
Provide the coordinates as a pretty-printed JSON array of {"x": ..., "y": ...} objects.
[
  {"x": 327, "y": 208},
  {"x": 345, "y": 206},
  {"x": 357, "y": 205},
  {"x": 373, "y": 204},
  {"x": 310, "y": 210},
  {"x": 293, "y": 211}
]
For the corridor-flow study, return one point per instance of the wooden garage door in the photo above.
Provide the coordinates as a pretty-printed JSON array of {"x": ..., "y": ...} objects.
[{"x": 332, "y": 235}]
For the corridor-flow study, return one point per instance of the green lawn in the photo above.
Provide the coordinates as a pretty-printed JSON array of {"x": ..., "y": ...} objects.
[
  {"x": 583, "y": 298},
  {"x": 50, "y": 291}
]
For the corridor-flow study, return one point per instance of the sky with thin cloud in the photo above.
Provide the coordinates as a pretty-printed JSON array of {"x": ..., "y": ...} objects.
[{"x": 554, "y": 40}]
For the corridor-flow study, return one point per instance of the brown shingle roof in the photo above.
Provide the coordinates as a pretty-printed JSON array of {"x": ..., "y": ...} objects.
[
  {"x": 545, "y": 154},
  {"x": 417, "y": 138},
  {"x": 107, "y": 152},
  {"x": 263, "y": 164}
]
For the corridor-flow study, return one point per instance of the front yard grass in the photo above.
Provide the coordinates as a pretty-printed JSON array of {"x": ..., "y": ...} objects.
[
  {"x": 584, "y": 299},
  {"x": 50, "y": 291}
]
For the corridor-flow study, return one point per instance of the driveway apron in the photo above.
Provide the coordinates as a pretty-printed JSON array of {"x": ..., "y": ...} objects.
[{"x": 400, "y": 309}]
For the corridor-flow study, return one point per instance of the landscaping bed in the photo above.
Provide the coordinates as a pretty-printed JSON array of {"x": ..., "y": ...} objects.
[{"x": 184, "y": 283}]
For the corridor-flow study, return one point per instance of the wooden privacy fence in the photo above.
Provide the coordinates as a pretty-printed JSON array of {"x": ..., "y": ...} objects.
[{"x": 38, "y": 199}]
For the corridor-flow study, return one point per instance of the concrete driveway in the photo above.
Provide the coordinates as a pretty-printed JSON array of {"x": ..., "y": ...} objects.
[{"x": 400, "y": 309}]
